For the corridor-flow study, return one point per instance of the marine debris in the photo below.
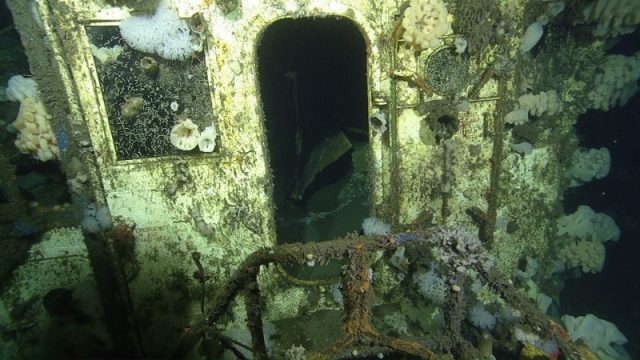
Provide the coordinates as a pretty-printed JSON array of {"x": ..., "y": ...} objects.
[{"x": 460, "y": 254}]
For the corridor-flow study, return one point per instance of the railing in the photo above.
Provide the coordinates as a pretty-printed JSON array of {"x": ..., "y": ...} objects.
[{"x": 361, "y": 339}]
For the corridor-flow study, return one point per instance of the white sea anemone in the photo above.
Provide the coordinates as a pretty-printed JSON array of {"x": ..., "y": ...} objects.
[
  {"x": 208, "y": 139},
  {"x": 185, "y": 135},
  {"x": 481, "y": 318},
  {"x": 461, "y": 44}
]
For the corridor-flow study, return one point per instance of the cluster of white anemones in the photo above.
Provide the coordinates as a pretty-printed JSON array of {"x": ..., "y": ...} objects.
[
  {"x": 424, "y": 22},
  {"x": 186, "y": 136},
  {"x": 35, "y": 135}
]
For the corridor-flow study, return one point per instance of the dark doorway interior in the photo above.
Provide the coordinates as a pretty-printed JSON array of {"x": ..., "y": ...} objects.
[{"x": 314, "y": 93}]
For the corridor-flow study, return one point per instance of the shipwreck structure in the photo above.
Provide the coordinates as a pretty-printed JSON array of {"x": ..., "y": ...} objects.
[{"x": 195, "y": 133}]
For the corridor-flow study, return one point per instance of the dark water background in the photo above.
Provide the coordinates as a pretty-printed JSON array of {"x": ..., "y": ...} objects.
[{"x": 613, "y": 293}]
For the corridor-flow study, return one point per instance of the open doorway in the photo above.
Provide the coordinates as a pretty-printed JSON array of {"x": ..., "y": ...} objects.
[{"x": 314, "y": 92}]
